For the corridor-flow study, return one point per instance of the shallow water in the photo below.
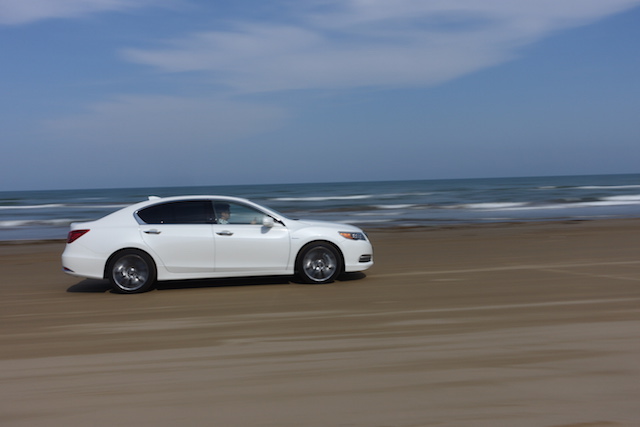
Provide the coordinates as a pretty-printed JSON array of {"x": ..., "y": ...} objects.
[{"x": 47, "y": 214}]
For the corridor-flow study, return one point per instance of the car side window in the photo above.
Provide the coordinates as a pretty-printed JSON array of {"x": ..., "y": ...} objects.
[
  {"x": 183, "y": 212},
  {"x": 235, "y": 213}
]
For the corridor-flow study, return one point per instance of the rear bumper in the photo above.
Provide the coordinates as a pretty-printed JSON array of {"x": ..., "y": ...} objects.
[{"x": 80, "y": 264}]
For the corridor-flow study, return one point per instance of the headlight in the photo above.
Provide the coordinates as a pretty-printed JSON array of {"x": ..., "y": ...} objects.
[{"x": 353, "y": 236}]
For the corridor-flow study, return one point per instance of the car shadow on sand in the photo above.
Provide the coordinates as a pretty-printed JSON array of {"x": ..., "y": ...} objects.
[
  {"x": 91, "y": 286},
  {"x": 102, "y": 286}
]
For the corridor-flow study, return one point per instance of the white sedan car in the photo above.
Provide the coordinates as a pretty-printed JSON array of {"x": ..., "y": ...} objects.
[{"x": 196, "y": 237}]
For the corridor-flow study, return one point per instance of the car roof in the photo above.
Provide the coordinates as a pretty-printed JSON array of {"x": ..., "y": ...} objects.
[
  {"x": 128, "y": 212},
  {"x": 153, "y": 200},
  {"x": 195, "y": 197}
]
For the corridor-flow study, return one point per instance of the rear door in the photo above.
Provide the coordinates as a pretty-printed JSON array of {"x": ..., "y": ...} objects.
[{"x": 181, "y": 235}]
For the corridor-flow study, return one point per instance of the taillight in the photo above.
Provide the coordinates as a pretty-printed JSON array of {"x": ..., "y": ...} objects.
[{"x": 75, "y": 235}]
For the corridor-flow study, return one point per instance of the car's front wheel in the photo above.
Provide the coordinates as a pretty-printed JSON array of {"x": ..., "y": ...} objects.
[
  {"x": 318, "y": 262},
  {"x": 131, "y": 271}
]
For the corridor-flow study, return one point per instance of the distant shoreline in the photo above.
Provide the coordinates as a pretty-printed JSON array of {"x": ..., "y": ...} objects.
[
  {"x": 408, "y": 205},
  {"x": 427, "y": 228}
]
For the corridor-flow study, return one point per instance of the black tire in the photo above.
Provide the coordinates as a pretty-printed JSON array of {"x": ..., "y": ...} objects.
[
  {"x": 318, "y": 263},
  {"x": 131, "y": 271}
]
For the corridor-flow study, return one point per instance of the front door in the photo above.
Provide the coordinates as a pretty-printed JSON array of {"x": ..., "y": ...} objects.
[{"x": 244, "y": 246}]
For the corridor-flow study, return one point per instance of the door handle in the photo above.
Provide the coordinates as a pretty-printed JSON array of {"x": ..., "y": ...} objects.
[
  {"x": 152, "y": 231},
  {"x": 224, "y": 233}
]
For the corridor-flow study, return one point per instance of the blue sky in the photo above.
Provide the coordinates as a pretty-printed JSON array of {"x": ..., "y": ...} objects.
[{"x": 134, "y": 93}]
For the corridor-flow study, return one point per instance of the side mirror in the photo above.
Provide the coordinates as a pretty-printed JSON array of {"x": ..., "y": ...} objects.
[{"x": 267, "y": 221}]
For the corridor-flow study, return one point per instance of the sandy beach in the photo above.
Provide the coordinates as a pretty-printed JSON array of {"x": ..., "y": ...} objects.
[{"x": 498, "y": 325}]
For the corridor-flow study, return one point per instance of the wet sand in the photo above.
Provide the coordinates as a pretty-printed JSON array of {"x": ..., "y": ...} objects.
[{"x": 500, "y": 325}]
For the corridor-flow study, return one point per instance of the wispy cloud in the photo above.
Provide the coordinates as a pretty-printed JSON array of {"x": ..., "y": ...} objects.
[
  {"x": 355, "y": 43},
  {"x": 15, "y": 12},
  {"x": 149, "y": 122}
]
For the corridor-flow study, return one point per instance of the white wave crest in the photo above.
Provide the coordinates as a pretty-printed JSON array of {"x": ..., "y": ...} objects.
[
  {"x": 399, "y": 206},
  {"x": 35, "y": 222},
  {"x": 597, "y": 204},
  {"x": 349, "y": 197},
  {"x": 64, "y": 206},
  {"x": 48, "y": 206},
  {"x": 377, "y": 214},
  {"x": 493, "y": 206},
  {"x": 607, "y": 187},
  {"x": 323, "y": 199},
  {"x": 624, "y": 198}
]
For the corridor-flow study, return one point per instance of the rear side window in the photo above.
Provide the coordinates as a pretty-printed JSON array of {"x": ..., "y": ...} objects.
[{"x": 185, "y": 212}]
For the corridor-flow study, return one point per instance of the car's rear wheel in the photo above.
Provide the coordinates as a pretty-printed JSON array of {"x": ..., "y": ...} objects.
[
  {"x": 131, "y": 271},
  {"x": 319, "y": 263}
]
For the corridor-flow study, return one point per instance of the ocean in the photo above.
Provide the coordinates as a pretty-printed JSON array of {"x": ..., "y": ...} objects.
[{"x": 36, "y": 215}]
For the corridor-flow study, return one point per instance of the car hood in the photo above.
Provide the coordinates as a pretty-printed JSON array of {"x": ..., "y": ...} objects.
[{"x": 302, "y": 223}]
